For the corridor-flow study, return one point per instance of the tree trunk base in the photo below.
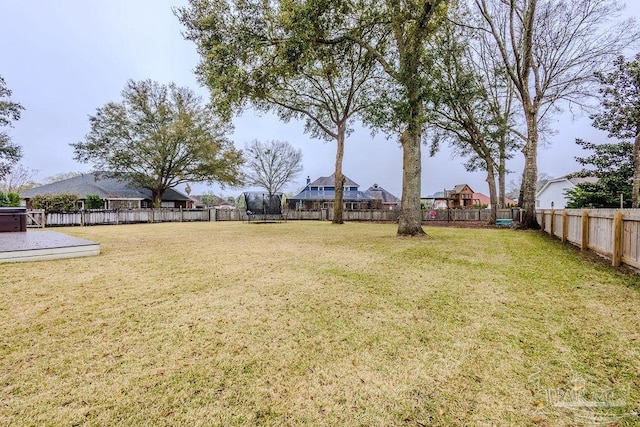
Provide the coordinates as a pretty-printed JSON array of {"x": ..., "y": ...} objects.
[
  {"x": 530, "y": 223},
  {"x": 411, "y": 232}
]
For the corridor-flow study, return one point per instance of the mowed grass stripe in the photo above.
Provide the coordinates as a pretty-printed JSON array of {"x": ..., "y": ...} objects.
[{"x": 307, "y": 323}]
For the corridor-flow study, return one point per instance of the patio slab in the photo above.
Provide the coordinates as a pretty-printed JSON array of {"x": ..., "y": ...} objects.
[{"x": 44, "y": 245}]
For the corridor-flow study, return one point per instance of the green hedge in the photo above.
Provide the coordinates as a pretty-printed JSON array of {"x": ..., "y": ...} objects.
[
  {"x": 9, "y": 200},
  {"x": 55, "y": 202},
  {"x": 93, "y": 201}
]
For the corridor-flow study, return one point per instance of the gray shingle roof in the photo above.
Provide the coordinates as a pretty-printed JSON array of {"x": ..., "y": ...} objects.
[
  {"x": 106, "y": 188},
  {"x": 347, "y": 196},
  {"x": 589, "y": 179},
  {"x": 330, "y": 181},
  {"x": 380, "y": 193}
]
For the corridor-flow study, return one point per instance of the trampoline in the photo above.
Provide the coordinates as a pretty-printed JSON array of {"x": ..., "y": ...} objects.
[{"x": 263, "y": 207}]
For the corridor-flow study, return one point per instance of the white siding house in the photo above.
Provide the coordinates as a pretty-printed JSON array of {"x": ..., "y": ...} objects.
[{"x": 552, "y": 194}]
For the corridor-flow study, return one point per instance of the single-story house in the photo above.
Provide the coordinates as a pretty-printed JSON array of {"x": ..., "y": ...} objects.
[
  {"x": 387, "y": 200},
  {"x": 115, "y": 194},
  {"x": 552, "y": 194},
  {"x": 320, "y": 194},
  {"x": 211, "y": 202}
]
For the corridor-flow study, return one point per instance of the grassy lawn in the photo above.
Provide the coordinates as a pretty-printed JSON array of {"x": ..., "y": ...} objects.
[{"x": 306, "y": 323}]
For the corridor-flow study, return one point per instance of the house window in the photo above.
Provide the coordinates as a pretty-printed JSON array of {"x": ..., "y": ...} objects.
[{"x": 537, "y": 203}]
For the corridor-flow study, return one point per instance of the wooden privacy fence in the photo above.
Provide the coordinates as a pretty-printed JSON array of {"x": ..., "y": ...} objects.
[
  {"x": 612, "y": 233},
  {"x": 38, "y": 218},
  {"x": 104, "y": 217}
]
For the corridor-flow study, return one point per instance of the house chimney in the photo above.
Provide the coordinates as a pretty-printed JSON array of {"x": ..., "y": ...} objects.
[{"x": 308, "y": 180}]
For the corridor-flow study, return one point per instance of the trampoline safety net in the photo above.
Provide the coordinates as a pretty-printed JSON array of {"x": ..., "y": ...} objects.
[{"x": 263, "y": 203}]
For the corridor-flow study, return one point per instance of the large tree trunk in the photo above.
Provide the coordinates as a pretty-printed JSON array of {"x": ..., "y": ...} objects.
[
  {"x": 493, "y": 194},
  {"x": 530, "y": 175},
  {"x": 410, "y": 220},
  {"x": 635, "y": 202},
  {"x": 339, "y": 177},
  {"x": 157, "y": 198},
  {"x": 502, "y": 171}
]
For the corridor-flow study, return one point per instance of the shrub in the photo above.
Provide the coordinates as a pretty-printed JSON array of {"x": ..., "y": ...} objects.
[
  {"x": 9, "y": 200},
  {"x": 93, "y": 201},
  {"x": 55, "y": 202}
]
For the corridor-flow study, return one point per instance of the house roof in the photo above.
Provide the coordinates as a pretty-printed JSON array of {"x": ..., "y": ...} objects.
[
  {"x": 460, "y": 187},
  {"x": 105, "y": 188},
  {"x": 483, "y": 199},
  {"x": 573, "y": 181},
  {"x": 436, "y": 195},
  {"x": 330, "y": 181},
  {"x": 377, "y": 192},
  {"x": 347, "y": 196},
  {"x": 219, "y": 201},
  {"x": 590, "y": 179}
]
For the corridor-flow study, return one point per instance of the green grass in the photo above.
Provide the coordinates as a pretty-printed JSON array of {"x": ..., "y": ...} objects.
[{"x": 307, "y": 323}]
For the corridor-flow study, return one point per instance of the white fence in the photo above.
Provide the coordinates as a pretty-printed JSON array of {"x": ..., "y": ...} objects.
[{"x": 612, "y": 233}]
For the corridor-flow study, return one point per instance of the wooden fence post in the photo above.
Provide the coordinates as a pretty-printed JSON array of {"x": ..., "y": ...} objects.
[
  {"x": 553, "y": 222},
  {"x": 543, "y": 219},
  {"x": 616, "y": 258},
  {"x": 565, "y": 225},
  {"x": 584, "y": 245}
]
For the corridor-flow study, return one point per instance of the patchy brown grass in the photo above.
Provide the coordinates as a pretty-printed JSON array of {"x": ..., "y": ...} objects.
[{"x": 307, "y": 323}]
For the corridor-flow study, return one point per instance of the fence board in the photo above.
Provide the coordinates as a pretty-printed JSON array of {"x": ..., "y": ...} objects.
[
  {"x": 599, "y": 231},
  {"x": 631, "y": 243},
  {"x": 574, "y": 225}
]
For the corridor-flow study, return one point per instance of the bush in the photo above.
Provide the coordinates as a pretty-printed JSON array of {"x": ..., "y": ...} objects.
[
  {"x": 93, "y": 201},
  {"x": 9, "y": 200},
  {"x": 55, "y": 202}
]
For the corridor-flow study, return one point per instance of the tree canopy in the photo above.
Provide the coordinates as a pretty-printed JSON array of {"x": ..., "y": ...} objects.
[
  {"x": 10, "y": 153},
  {"x": 472, "y": 110},
  {"x": 241, "y": 43},
  {"x": 157, "y": 137},
  {"x": 324, "y": 84},
  {"x": 612, "y": 164},
  {"x": 620, "y": 111},
  {"x": 271, "y": 165},
  {"x": 550, "y": 50}
]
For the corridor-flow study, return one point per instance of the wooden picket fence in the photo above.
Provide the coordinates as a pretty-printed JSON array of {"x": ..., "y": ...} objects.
[{"x": 611, "y": 233}]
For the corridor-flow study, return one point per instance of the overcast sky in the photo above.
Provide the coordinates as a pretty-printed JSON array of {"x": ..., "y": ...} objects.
[{"x": 63, "y": 59}]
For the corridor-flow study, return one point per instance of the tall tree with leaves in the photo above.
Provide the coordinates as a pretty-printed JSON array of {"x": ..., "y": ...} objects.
[
  {"x": 620, "y": 115},
  {"x": 328, "y": 89},
  {"x": 472, "y": 110},
  {"x": 157, "y": 137},
  {"x": 271, "y": 165},
  {"x": 402, "y": 31},
  {"x": 551, "y": 50},
  {"x": 271, "y": 61},
  {"x": 612, "y": 164},
  {"x": 10, "y": 153},
  {"x": 234, "y": 39}
]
